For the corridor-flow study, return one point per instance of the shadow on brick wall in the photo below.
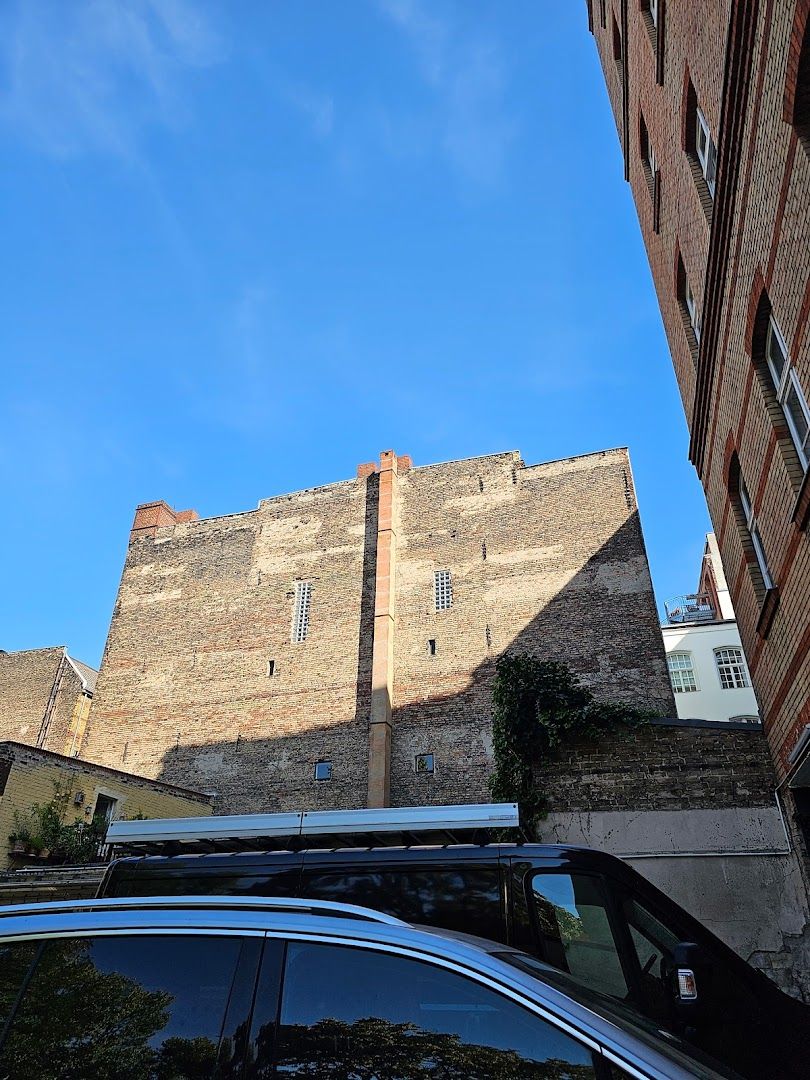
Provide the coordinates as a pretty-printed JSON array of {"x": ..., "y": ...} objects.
[{"x": 602, "y": 623}]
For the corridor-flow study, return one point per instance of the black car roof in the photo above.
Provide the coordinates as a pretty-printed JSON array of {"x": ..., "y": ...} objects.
[{"x": 245, "y": 861}]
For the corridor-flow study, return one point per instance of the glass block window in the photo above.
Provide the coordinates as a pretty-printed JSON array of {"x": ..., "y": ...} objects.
[
  {"x": 731, "y": 668},
  {"x": 442, "y": 590},
  {"x": 323, "y": 770},
  {"x": 681, "y": 672},
  {"x": 423, "y": 763},
  {"x": 300, "y": 624}
]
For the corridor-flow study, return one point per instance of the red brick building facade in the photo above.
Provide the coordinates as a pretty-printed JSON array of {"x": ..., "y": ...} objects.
[{"x": 712, "y": 106}]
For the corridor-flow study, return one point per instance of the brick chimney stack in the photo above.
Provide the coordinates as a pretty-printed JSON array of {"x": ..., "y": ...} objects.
[{"x": 149, "y": 517}]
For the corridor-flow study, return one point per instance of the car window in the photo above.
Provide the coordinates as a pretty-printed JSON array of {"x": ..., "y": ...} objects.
[
  {"x": 15, "y": 962},
  {"x": 464, "y": 898},
  {"x": 404, "y": 1018},
  {"x": 654, "y": 946},
  {"x": 574, "y": 928},
  {"x": 128, "y": 1008}
]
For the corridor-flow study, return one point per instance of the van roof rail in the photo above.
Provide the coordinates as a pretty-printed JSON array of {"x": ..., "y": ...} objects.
[
  {"x": 389, "y": 826},
  {"x": 289, "y": 904}
]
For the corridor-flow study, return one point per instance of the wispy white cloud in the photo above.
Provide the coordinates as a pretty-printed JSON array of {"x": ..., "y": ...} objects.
[
  {"x": 466, "y": 74},
  {"x": 318, "y": 109},
  {"x": 88, "y": 76}
]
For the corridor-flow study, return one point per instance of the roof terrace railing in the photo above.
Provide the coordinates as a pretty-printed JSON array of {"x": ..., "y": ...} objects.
[{"x": 695, "y": 607}]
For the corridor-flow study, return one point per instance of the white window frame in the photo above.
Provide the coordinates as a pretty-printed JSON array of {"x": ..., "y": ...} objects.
[
  {"x": 651, "y": 162},
  {"x": 691, "y": 307},
  {"x": 753, "y": 532},
  {"x": 682, "y": 671},
  {"x": 729, "y": 660},
  {"x": 652, "y": 7},
  {"x": 429, "y": 766},
  {"x": 706, "y": 150},
  {"x": 442, "y": 590},
  {"x": 784, "y": 382},
  {"x": 301, "y": 608}
]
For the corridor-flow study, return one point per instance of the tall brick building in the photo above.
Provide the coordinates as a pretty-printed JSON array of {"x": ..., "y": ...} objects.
[
  {"x": 712, "y": 106},
  {"x": 336, "y": 646}
]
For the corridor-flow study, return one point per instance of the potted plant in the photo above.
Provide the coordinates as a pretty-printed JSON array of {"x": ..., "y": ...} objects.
[{"x": 24, "y": 829}]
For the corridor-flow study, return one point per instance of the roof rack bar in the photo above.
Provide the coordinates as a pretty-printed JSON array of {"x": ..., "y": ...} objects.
[
  {"x": 246, "y": 903},
  {"x": 312, "y": 824}
]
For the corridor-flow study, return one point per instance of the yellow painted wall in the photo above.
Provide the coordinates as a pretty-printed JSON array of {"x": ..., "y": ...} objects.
[{"x": 35, "y": 779}]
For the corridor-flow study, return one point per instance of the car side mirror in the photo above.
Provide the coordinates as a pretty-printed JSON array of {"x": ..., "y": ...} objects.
[{"x": 691, "y": 980}]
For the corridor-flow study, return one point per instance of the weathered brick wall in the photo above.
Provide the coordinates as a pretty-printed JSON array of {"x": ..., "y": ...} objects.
[
  {"x": 665, "y": 765},
  {"x": 184, "y": 694},
  {"x": 547, "y": 560},
  {"x": 768, "y": 246},
  {"x": 28, "y": 679},
  {"x": 32, "y": 776}
]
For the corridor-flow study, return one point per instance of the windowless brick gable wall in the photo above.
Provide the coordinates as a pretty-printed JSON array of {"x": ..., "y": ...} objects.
[
  {"x": 209, "y": 679},
  {"x": 720, "y": 91}
]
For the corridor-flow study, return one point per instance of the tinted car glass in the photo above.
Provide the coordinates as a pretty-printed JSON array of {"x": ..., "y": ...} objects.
[
  {"x": 575, "y": 932},
  {"x": 210, "y": 884},
  {"x": 16, "y": 958},
  {"x": 350, "y": 1012},
  {"x": 654, "y": 945},
  {"x": 699, "y": 1064},
  {"x": 458, "y": 898},
  {"x": 127, "y": 1008}
]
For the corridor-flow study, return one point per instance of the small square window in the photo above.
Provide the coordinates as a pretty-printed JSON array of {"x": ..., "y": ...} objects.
[
  {"x": 323, "y": 770},
  {"x": 423, "y": 763}
]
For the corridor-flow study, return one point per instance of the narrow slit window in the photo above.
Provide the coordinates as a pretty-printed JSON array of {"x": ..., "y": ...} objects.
[
  {"x": 442, "y": 590},
  {"x": 271, "y": 668},
  {"x": 753, "y": 532},
  {"x": 432, "y": 647},
  {"x": 706, "y": 151},
  {"x": 303, "y": 597},
  {"x": 617, "y": 46},
  {"x": 731, "y": 668}
]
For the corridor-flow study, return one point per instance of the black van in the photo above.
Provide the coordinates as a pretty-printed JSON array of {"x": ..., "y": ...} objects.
[{"x": 579, "y": 910}]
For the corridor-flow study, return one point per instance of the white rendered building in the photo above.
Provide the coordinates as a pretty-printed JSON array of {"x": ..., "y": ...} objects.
[{"x": 707, "y": 666}]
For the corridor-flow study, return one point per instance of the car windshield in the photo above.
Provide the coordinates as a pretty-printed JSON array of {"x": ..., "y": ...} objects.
[{"x": 623, "y": 1016}]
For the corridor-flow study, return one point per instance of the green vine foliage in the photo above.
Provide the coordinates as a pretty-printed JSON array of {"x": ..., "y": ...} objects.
[{"x": 537, "y": 705}]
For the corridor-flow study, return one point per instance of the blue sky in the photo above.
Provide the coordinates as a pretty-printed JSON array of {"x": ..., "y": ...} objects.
[{"x": 248, "y": 245}]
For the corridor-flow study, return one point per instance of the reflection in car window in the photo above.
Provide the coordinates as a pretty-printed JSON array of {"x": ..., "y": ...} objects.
[
  {"x": 15, "y": 961},
  {"x": 128, "y": 1008},
  {"x": 401, "y": 1018},
  {"x": 464, "y": 898},
  {"x": 575, "y": 932},
  {"x": 654, "y": 945}
]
